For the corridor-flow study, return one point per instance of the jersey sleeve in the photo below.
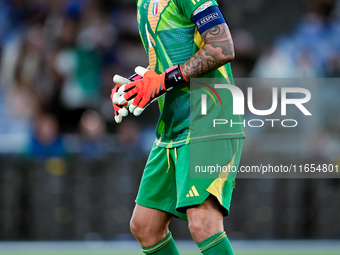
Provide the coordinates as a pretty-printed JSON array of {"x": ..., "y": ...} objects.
[{"x": 189, "y": 6}]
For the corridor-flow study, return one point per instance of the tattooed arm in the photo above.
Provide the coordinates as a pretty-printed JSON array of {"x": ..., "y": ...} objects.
[{"x": 217, "y": 51}]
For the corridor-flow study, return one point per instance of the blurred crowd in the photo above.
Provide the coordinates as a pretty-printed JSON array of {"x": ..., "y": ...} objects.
[
  {"x": 57, "y": 63},
  {"x": 312, "y": 48},
  {"x": 58, "y": 59}
]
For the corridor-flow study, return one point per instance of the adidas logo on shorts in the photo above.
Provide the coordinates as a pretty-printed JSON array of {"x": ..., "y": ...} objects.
[{"x": 193, "y": 192}]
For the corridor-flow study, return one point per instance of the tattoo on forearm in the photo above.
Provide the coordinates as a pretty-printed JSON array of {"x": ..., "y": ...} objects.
[{"x": 217, "y": 51}]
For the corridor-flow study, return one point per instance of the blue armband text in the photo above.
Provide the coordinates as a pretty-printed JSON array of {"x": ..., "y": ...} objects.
[{"x": 208, "y": 18}]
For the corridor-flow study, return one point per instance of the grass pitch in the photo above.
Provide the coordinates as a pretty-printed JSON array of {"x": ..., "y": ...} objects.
[
  {"x": 242, "y": 247},
  {"x": 140, "y": 253}
]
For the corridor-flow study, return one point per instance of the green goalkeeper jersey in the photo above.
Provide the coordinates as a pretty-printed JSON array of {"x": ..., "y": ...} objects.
[{"x": 171, "y": 38}]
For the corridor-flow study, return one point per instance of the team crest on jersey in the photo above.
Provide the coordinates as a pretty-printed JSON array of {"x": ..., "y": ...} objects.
[{"x": 155, "y": 7}]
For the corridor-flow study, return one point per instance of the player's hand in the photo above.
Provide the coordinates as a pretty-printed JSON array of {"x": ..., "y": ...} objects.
[
  {"x": 121, "y": 110},
  {"x": 144, "y": 91},
  {"x": 149, "y": 88}
]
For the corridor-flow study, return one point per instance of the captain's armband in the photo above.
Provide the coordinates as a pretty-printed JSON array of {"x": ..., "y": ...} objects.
[{"x": 208, "y": 18}]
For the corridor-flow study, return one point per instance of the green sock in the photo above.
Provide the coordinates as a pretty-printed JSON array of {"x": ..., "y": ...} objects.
[
  {"x": 165, "y": 247},
  {"x": 216, "y": 245}
]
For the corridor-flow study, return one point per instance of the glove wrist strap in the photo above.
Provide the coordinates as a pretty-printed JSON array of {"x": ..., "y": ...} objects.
[{"x": 174, "y": 77}]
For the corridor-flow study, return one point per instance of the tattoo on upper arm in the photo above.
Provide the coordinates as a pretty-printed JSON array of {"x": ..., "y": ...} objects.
[
  {"x": 217, "y": 51},
  {"x": 217, "y": 31}
]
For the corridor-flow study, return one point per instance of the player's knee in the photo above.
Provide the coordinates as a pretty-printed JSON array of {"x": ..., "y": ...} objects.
[
  {"x": 204, "y": 223},
  {"x": 136, "y": 228},
  {"x": 141, "y": 230},
  {"x": 201, "y": 230},
  {"x": 197, "y": 228}
]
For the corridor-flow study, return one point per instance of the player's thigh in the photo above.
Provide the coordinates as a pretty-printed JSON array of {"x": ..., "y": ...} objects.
[
  {"x": 158, "y": 185},
  {"x": 194, "y": 188},
  {"x": 209, "y": 210}
]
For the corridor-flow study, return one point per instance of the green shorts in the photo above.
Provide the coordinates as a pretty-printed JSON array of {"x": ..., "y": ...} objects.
[{"x": 168, "y": 185}]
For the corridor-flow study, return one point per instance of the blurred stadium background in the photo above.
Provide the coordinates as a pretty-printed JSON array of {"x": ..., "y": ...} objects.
[{"x": 69, "y": 173}]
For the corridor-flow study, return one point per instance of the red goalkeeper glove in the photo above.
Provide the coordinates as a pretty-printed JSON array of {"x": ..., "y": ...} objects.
[
  {"x": 120, "y": 110},
  {"x": 149, "y": 88}
]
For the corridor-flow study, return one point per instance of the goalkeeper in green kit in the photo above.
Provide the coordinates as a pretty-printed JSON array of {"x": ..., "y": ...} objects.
[{"x": 183, "y": 39}]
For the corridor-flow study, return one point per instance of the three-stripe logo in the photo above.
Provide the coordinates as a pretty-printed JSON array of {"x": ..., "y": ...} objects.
[{"x": 193, "y": 192}]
